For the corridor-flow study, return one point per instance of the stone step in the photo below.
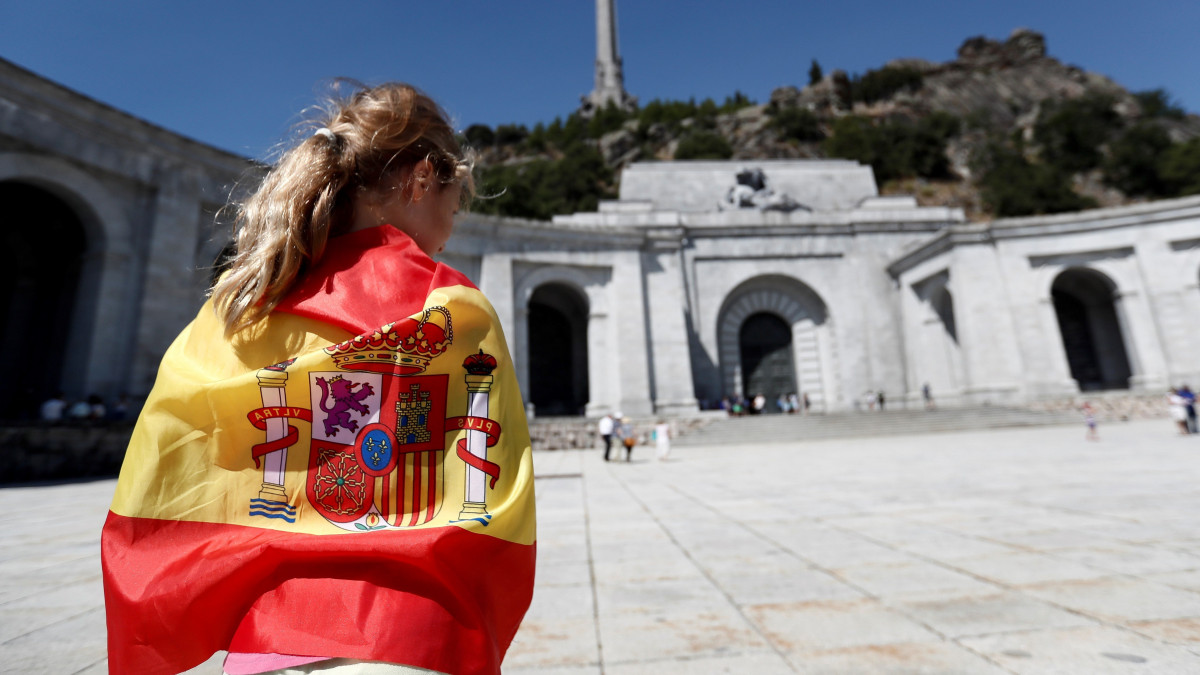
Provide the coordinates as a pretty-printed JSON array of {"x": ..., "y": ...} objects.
[{"x": 788, "y": 428}]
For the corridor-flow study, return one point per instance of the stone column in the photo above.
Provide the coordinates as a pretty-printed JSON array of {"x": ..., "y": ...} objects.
[
  {"x": 991, "y": 361},
  {"x": 168, "y": 300},
  {"x": 1142, "y": 344},
  {"x": 628, "y": 334},
  {"x": 674, "y": 393}
]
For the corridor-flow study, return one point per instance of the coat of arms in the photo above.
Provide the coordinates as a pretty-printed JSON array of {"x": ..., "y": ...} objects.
[{"x": 378, "y": 424}]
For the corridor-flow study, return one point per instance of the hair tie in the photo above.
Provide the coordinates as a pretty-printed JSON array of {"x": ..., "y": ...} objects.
[{"x": 327, "y": 133}]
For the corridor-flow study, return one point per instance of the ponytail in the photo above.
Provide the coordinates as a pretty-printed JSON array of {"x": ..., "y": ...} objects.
[{"x": 307, "y": 197}]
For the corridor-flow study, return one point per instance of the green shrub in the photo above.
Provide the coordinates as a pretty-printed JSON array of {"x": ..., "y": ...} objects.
[
  {"x": 542, "y": 188},
  {"x": 1071, "y": 133},
  {"x": 511, "y": 134},
  {"x": 798, "y": 124},
  {"x": 606, "y": 119},
  {"x": 876, "y": 85},
  {"x": 1180, "y": 168},
  {"x": 480, "y": 135},
  {"x": 1132, "y": 165},
  {"x": 703, "y": 145},
  {"x": 735, "y": 103},
  {"x": 1158, "y": 103},
  {"x": 1013, "y": 186},
  {"x": 897, "y": 149}
]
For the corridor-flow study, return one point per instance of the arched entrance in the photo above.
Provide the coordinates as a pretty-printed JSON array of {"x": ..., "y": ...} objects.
[
  {"x": 558, "y": 359},
  {"x": 43, "y": 241},
  {"x": 1091, "y": 330},
  {"x": 765, "y": 345},
  {"x": 762, "y": 305}
]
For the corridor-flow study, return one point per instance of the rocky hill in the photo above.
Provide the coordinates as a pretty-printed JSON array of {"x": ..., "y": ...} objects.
[{"x": 1003, "y": 129}]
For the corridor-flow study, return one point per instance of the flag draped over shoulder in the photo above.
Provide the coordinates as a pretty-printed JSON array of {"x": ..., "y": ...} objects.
[{"x": 350, "y": 478}]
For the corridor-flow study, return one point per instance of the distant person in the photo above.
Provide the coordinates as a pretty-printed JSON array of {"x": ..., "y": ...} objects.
[
  {"x": 96, "y": 410},
  {"x": 927, "y": 394},
  {"x": 1189, "y": 405},
  {"x": 880, "y": 398},
  {"x": 760, "y": 403},
  {"x": 1089, "y": 419},
  {"x": 793, "y": 402},
  {"x": 79, "y": 410},
  {"x": 52, "y": 410},
  {"x": 662, "y": 440},
  {"x": 807, "y": 403},
  {"x": 121, "y": 410},
  {"x": 624, "y": 431},
  {"x": 781, "y": 402},
  {"x": 1177, "y": 405},
  {"x": 738, "y": 407},
  {"x": 605, "y": 428}
]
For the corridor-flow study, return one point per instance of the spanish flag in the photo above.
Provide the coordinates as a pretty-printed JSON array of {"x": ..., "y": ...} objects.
[{"x": 350, "y": 478}]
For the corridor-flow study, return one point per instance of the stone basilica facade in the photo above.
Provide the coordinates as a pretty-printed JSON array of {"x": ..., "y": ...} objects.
[{"x": 703, "y": 280}]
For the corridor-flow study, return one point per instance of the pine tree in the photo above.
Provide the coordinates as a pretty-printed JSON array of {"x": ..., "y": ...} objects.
[{"x": 815, "y": 74}]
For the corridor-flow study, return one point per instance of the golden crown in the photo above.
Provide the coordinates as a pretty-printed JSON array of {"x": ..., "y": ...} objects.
[{"x": 403, "y": 347}]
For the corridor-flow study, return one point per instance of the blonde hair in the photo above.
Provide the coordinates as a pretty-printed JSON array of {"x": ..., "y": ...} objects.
[{"x": 364, "y": 140}]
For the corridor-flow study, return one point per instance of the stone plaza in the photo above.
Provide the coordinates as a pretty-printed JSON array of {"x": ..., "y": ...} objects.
[{"x": 1026, "y": 550}]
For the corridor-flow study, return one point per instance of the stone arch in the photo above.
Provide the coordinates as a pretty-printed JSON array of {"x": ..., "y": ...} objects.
[
  {"x": 557, "y": 323},
  {"x": 803, "y": 311},
  {"x": 97, "y": 347},
  {"x": 1093, "y": 337},
  {"x": 589, "y": 288},
  {"x": 44, "y": 242}
]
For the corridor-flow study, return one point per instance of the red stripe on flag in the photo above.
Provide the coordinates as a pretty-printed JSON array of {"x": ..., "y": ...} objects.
[{"x": 175, "y": 592}]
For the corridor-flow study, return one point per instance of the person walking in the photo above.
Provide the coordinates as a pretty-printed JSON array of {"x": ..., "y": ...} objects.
[
  {"x": 662, "y": 440},
  {"x": 605, "y": 428},
  {"x": 1189, "y": 407},
  {"x": 1089, "y": 419},
  {"x": 1177, "y": 405},
  {"x": 628, "y": 439}
]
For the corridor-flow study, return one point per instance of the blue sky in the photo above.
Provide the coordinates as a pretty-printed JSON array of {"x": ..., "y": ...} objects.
[{"x": 236, "y": 74}]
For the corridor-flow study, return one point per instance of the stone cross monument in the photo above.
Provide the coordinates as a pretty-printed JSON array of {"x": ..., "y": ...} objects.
[{"x": 610, "y": 82}]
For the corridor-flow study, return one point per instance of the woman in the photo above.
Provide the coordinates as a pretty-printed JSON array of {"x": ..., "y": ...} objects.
[{"x": 332, "y": 473}]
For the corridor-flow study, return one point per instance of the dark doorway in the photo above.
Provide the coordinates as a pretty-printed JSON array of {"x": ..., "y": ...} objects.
[
  {"x": 43, "y": 243},
  {"x": 765, "y": 344},
  {"x": 558, "y": 360},
  {"x": 1091, "y": 332}
]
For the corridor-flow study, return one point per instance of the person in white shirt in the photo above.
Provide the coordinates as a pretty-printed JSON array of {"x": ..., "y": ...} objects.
[
  {"x": 662, "y": 440},
  {"x": 605, "y": 429},
  {"x": 52, "y": 410}
]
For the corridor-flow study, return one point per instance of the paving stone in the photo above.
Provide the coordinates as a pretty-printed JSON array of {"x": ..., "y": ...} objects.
[
  {"x": 1120, "y": 600},
  {"x": 808, "y": 626},
  {"x": 925, "y": 658},
  {"x": 1091, "y": 650},
  {"x": 759, "y": 663},
  {"x": 892, "y": 580},
  {"x": 1130, "y": 559},
  {"x": 981, "y": 615},
  {"x": 654, "y": 632},
  {"x": 553, "y": 641},
  {"x": 1174, "y": 631},
  {"x": 1017, "y": 569}
]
